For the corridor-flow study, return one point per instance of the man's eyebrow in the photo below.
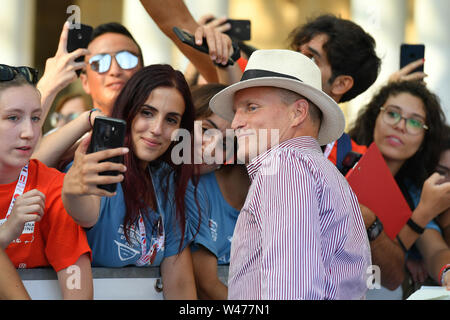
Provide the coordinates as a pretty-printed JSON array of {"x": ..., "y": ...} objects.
[
  {"x": 314, "y": 51},
  {"x": 212, "y": 123}
]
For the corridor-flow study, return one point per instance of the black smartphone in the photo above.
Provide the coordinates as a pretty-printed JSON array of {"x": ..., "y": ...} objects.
[
  {"x": 410, "y": 53},
  {"x": 240, "y": 29},
  {"x": 79, "y": 38},
  {"x": 350, "y": 160},
  {"x": 108, "y": 133},
  {"x": 189, "y": 39}
]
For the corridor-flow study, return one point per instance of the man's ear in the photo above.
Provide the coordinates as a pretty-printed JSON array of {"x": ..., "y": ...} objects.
[
  {"x": 341, "y": 85},
  {"x": 84, "y": 83},
  {"x": 300, "y": 111}
]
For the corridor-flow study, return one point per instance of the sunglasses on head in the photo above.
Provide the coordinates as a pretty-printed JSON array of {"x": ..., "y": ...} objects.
[
  {"x": 8, "y": 73},
  {"x": 102, "y": 62}
]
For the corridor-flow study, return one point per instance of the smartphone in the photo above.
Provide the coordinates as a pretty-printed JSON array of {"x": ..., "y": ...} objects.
[
  {"x": 108, "y": 133},
  {"x": 240, "y": 29},
  {"x": 350, "y": 160},
  {"x": 410, "y": 53},
  {"x": 79, "y": 38},
  {"x": 189, "y": 39}
]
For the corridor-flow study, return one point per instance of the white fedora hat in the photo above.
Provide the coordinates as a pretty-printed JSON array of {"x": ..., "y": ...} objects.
[{"x": 292, "y": 71}]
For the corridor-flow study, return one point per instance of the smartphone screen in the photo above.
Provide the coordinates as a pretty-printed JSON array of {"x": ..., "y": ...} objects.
[
  {"x": 410, "y": 53},
  {"x": 108, "y": 133}
]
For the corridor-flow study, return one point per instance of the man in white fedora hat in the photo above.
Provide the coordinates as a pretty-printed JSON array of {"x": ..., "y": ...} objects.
[{"x": 300, "y": 234}]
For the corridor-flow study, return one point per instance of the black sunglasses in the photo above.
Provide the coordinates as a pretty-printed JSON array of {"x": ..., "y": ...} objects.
[{"x": 8, "y": 73}]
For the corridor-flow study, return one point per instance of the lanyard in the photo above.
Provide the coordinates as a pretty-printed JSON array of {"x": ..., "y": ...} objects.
[
  {"x": 157, "y": 243},
  {"x": 20, "y": 187}
]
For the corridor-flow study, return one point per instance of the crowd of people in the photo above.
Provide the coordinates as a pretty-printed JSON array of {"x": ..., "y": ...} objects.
[{"x": 273, "y": 204}]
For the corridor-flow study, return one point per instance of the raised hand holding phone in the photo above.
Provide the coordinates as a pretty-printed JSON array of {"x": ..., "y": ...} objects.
[
  {"x": 60, "y": 70},
  {"x": 108, "y": 133},
  {"x": 84, "y": 178},
  {"x": 79, "y": 38},
  {"x": 411, "y": 64}
]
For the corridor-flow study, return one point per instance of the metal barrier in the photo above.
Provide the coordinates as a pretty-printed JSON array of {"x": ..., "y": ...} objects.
[{"x": 129, "y": 283}]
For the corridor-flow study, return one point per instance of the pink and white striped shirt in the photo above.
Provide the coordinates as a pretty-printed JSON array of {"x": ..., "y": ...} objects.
[{"x": 300, "y": 233}]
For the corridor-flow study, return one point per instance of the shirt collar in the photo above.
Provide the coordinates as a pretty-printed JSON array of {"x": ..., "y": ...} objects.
[{"x": 300, "y": 143}]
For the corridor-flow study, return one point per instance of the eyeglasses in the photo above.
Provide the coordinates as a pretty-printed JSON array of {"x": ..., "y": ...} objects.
[
  {"x": 56, "y": 117},
  {"x": 102, "y": 62},
  {"x": 392, "y": 116},
  {"x": 8, "y": 73}
]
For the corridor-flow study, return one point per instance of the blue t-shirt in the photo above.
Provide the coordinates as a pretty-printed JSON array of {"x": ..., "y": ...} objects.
[
  {"x": 217, "y": 222},
  {"x": 107, "y": 239},
  {"x": 415, "y": 193}
]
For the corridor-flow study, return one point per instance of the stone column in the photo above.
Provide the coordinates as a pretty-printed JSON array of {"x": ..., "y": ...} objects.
[
  {"x": 385, "y": 20},
  {"x": 17, "y": 32},
  {"x": 432, "y": 28},
  {"x": 156, "y": 47}
]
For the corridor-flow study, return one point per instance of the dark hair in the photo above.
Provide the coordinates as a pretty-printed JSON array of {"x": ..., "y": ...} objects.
[
  {"x": 423, "y": 162},
  {"x": 201, "y": 94},
  {"x": 350, "y": 50},
  {"x": 115, "y": 27},
  {"x": 138, "y": 190},
  {"x": 446, "y": 139}
]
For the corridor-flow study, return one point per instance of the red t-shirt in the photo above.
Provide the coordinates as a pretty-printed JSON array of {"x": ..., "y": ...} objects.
[{"x": 57, "y": 240}]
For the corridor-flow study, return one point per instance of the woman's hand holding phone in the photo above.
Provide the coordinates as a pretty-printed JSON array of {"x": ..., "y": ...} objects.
[
  {"x": 83, "y": 178},
  {"x": 60, "y": 70}
]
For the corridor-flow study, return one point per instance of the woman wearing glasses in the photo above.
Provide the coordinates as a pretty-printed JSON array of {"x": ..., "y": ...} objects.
[
  {"x": 68, "y": 108},
  {"x": 406, "y": 122},
  {"x": 143, "y": 223}
]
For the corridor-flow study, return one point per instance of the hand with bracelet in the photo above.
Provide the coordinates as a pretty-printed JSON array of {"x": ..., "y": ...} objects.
[{"x": 61, "y": 144}]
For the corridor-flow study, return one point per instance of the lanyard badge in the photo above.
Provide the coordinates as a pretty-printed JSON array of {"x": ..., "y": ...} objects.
[
  {"x": 157, "y": 243},
  {"x": 20, "y": 187}
]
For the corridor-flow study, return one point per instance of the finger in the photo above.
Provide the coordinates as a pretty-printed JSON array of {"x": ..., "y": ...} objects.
[
  {"x": 228, "y": 49},
  {"x": 219, "y": 47},
  {"x": 109, "y": 166},
  {"x": 84, "y": 145},
  {"x": 414, "y": 76},
  {"x": 28, "y": 201},
  {"x": 217, "y": 22},
  {"x": 224, "y": 27},
  {"x": 78, "y": 53},
  {"x": 199, "y": 35},
  {"x": 62, "y": 45},
  {"x": 103, "y": 193},
  {"x": 411, "y": 66},
  {"x": 78, "y": 65},
  {"x": 102, "y": 180},
  {"x": 31, "y": 210},
  {"x": 34, "y": 193},
  {"x": 106, "y": 154},
  {"x": 205, "y": 19},
  {"x": 211, "y": 41}
]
